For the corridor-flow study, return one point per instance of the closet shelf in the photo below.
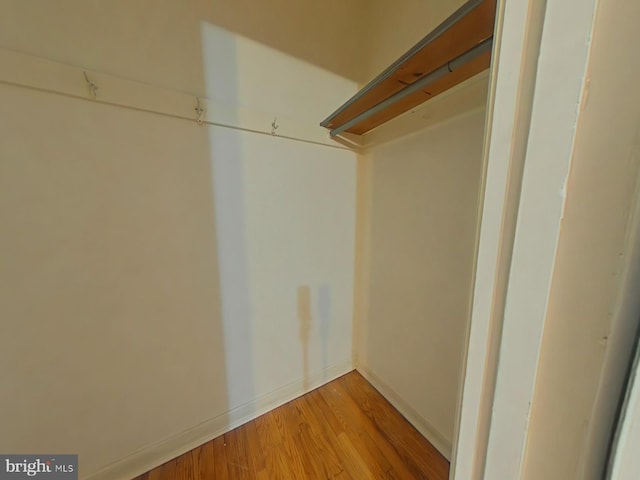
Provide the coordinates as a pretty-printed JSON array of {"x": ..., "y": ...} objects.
[{"x": 456, "y": 50}]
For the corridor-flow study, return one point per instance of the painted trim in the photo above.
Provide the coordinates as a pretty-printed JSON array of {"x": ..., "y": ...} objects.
[
  {"x": 624, "y": 463},
  {"x": 161, "y": 452},
  {"x": 623, "y": 338},
  {"x": 564, "y": 54},
  {"x": 46, "y": 75},
  {"x": 506, "y": 105},
  {"x": 428, "y": 431}
]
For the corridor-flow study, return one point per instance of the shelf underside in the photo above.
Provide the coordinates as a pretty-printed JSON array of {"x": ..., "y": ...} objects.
[{"x": 467, "y": 32}]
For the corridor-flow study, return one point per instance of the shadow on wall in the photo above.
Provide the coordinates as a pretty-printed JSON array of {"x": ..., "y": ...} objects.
[
  {"x": 277, "y": 225},
  {"x": 158, "y": 260},
  {"x": 324, "y": 321},
  {"x": 320, "y": 30},
  {"x": 304, "y": 316},
  {"x": 306, "y": 320}
]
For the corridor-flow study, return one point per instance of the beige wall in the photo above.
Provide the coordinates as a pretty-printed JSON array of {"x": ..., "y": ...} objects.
[
  {"x": 159, "y": 42},
  {"x": 589, "y": 331},
  {"x": 178, "y": 275},
  {"x": 162, "y": 280},
  {"x": 421, "y": 233},
  {"x": 417, "y": 217},
  {"x": 109, "y": 279},
  {"x": 395, "y": 27}
]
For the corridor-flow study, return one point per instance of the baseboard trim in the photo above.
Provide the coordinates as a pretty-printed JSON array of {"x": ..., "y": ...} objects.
[
  {"x": 158, "y": 453},
  {"x": 414, "y": 418}
]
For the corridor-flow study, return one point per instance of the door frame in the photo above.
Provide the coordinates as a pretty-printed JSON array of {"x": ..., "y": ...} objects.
[{"x": 529, "y": 113}]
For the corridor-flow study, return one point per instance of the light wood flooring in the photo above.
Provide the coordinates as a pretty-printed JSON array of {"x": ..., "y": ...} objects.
[{"x": 343, "y": 430}]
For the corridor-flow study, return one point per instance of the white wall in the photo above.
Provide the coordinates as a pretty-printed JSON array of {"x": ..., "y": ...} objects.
[
  {"x": 285, "y": 215},
  {"x": 162, "y": 281},
  {"x": 289, "y": 193},
  {"x": 420, "y": 243}
]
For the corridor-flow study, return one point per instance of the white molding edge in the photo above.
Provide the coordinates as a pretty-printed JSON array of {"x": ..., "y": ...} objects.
[
  {"x": 505, "y": 105},
  {"x": 169, "y": 448},
  {"x": 428, "y": 431},
  {"x": 564, "y": 54},
  {"x": 28, "y": 71},
  {"x": 624, "y": 461}
]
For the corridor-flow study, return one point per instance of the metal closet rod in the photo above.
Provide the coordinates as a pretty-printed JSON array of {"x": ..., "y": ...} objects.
[
  {"x": 454, "y": 18},
  {"x": 437, "y": 74}
]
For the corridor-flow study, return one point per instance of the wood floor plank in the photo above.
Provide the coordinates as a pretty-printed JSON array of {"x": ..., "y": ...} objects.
[
  {"x": 344, "y": 430},
  {"x": 339, "y": 436},
  {"x": 220, "y": 459},
  {"x": 266, "y": 434},
  {"x": 253, "y": 445},
  {"x": 321, "y": 440},
  {"x": 238, "y": 464},
  {"x": 168, "y": 470},
  {"x": 277, "y": 463},
  {"x": 358, "y": 430},
  {"x": 155, "y": 474},
  {"x": 324, "y": 410},
  {"x": 205, "y": 461},
  {"x": 295, "y": 428},
  {"x": 185, "y": 466},
  {"x": 371, "y": 434},
  {"x": 287, "y": 419},
  {"x": 354, "y": 462},
  {"x": 414, "y": 449}
]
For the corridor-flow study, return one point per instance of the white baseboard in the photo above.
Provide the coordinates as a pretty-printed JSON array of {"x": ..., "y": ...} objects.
[
  {"x": 158, "y": 453},
  {"x": 439, "y": 441}
]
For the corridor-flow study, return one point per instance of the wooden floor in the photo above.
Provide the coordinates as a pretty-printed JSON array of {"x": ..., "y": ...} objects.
[{"x": 344, "y": 430}]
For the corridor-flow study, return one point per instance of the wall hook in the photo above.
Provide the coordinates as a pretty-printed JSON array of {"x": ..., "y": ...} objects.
[
  {"x": 200, "y": 111},
  {"x": 93, "y": 88},
  {"x": 274, "y": 125}
]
